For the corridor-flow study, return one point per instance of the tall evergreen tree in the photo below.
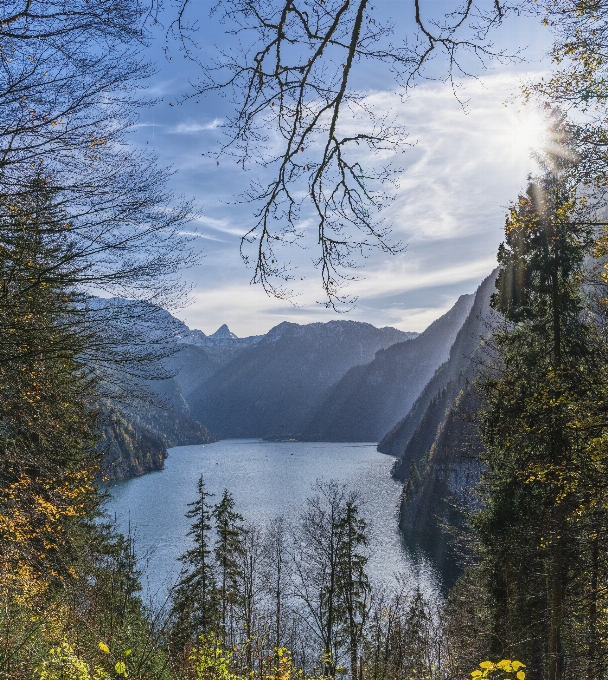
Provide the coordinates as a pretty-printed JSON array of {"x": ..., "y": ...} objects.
[
  {"x": 47, "y": 424},
  {"x": 541, "y": 423},
  {"x": 194, "y": 609},
  {"x": 227, "y": 551},
  {"x": 353, "y": 582}
]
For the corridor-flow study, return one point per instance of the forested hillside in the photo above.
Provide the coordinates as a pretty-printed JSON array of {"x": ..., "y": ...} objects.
[{"x": 428, "y": 411}]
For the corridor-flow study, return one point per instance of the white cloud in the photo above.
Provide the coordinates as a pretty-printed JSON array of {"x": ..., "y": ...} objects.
[
  {"x": 462, "y": 172},
  {"x": 191, "y": 128},
  {"x": 407, "y": 275}
]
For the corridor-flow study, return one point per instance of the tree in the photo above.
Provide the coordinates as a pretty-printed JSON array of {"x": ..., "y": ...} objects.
[
  {"x": 47, "y": 423},
  {"x": 194, "y": 601},
  {"x": 276, "y": 568},
  {"x": 354, "y": 584},
  {"x": 67, "y": 85},
  {"x": 329, "y": 573},
  {"x": 228, "y": 551},
  {"x": 541, "y": 427},
  {"x": 250, "y": 588}
]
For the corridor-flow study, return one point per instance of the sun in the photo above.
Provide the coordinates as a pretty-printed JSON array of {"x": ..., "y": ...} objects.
[{"x": 528, "y": 132}]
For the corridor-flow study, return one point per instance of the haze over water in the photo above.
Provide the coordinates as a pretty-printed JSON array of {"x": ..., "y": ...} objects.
[{"x": 266, "y": 479}]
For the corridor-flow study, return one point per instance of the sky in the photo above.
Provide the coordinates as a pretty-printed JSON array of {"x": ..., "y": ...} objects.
[{"x": 465, "y": 164}]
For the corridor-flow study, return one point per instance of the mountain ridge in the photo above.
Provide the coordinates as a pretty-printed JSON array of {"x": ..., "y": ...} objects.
[
  {"x": 271, "y": 388},
  {"x": 370, "y": 399}
]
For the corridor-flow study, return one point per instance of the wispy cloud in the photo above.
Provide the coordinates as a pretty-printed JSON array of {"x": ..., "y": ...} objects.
[
  {"x": 449, "y": 209},
  {"x": 190, "y": 128}
]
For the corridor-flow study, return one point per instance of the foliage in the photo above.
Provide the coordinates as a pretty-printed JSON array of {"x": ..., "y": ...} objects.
[
  {"x": 541, "y": 426},
  {"x": 195, "y": 607},
  {"x": 505, "y": 669},
  {"x": 63, "y": 664},
  {"x": 212, "y": 660}
]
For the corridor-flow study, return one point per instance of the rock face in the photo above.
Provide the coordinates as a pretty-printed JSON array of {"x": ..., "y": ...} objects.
[
  {"x": 273, "y": 387},
  {"x": 135, "y": 438},
  {"x": 413, "y": 436},
  {"x": 370, "y": 399},
  {"x": 223, "y": 338},
  {"x": 129, "y": 450},
  {"x": 439, "y": 491},
  {"x": 438, "y": 447}
]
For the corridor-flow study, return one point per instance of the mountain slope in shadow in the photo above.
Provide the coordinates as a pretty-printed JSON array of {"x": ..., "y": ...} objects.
[
  {"x": 273, "y": 387},
  {"x": 369, "y": 400}
]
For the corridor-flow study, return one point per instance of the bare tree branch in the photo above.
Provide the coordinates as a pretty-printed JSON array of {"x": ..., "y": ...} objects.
[{"x": 328, "y": 152}]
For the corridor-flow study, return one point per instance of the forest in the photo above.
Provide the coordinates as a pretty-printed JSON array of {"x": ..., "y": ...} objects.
[{"x": 86, "y": 219}]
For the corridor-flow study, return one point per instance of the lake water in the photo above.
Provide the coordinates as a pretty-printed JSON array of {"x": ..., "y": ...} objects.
[{"x": 266, "y": 479}]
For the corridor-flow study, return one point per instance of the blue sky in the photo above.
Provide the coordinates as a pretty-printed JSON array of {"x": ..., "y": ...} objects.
[{"x": 463, "y": 168}]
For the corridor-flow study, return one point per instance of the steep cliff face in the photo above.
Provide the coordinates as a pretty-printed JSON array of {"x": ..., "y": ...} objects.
[
  {"x": 273, "y": 387},
  {"x": 137, "y": 430},
  {"x": 370, "y": 399},
  {"x": 411, "y": 438},
  {"x": 440, "y": 488},
  {"x": 438, "y": 447},
  {"x": 135, "y": 440},
  {"x": 129, "y": 450}
]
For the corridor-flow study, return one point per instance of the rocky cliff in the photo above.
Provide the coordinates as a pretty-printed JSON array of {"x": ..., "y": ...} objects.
[
  {"x": 438, "y": 447},
  {"x": 412, "y": 437}
]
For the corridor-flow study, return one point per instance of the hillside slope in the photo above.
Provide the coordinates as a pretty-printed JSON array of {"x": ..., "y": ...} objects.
[
  {"x": 369, "y": 400},
  {"x": 273, "y": 387},
  {"x": 413, "y": 436},
  {"x": 440, "y": 490},
  {"x": 439, "y": 448}
]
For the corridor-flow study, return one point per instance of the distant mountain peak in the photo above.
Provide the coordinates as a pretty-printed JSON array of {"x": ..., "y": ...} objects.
[{"x": 223, "y": 333}]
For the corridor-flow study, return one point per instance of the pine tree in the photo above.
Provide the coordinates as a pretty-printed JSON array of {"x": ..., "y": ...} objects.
[
  {"x": 194, "y": 609},
  {"x": 539, "y": 426}
]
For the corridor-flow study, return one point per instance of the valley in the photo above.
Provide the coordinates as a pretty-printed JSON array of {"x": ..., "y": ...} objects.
[{"x": 341, "y": 382}]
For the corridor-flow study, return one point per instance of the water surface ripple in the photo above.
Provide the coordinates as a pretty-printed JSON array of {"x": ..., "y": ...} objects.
[{"x": 266, "y": 479}]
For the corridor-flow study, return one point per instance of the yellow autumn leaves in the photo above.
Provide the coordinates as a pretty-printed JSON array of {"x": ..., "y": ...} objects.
[{"x": 510, "y": 670}]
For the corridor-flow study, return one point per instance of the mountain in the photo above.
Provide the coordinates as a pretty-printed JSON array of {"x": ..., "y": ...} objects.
[
  {"x": 145, "y": 410},
  {"x": 128, "y": 450},
  {"x": 223, "y": 338},
  {"x": 413, "y": 436},
  {"x": 438, "y": 447},
  {"x": 273, "y": 387},
  {"x": 370, "y": 399}
]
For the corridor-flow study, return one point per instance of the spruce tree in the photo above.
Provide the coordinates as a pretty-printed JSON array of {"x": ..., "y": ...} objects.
[
  {"x": 352, "y": 579},
  {"x": 47, "y": 423},
  {"x": 227, "y": 551},
  {"x": 543, "y": 403},
  {"x": 194, "y": 609}
]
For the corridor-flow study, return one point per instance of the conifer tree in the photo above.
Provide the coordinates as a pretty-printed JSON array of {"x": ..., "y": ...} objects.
[
  {"x": 47, "y": 423},
  {"x": 194, "y": 608},
  {"x": 540, "y": 427},
  {"x": 229, "y": 530},
  {"x": 353, "y": 582}
]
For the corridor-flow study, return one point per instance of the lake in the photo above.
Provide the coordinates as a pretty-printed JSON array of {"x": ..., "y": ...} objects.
[{"x": 266, "y": 479}]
